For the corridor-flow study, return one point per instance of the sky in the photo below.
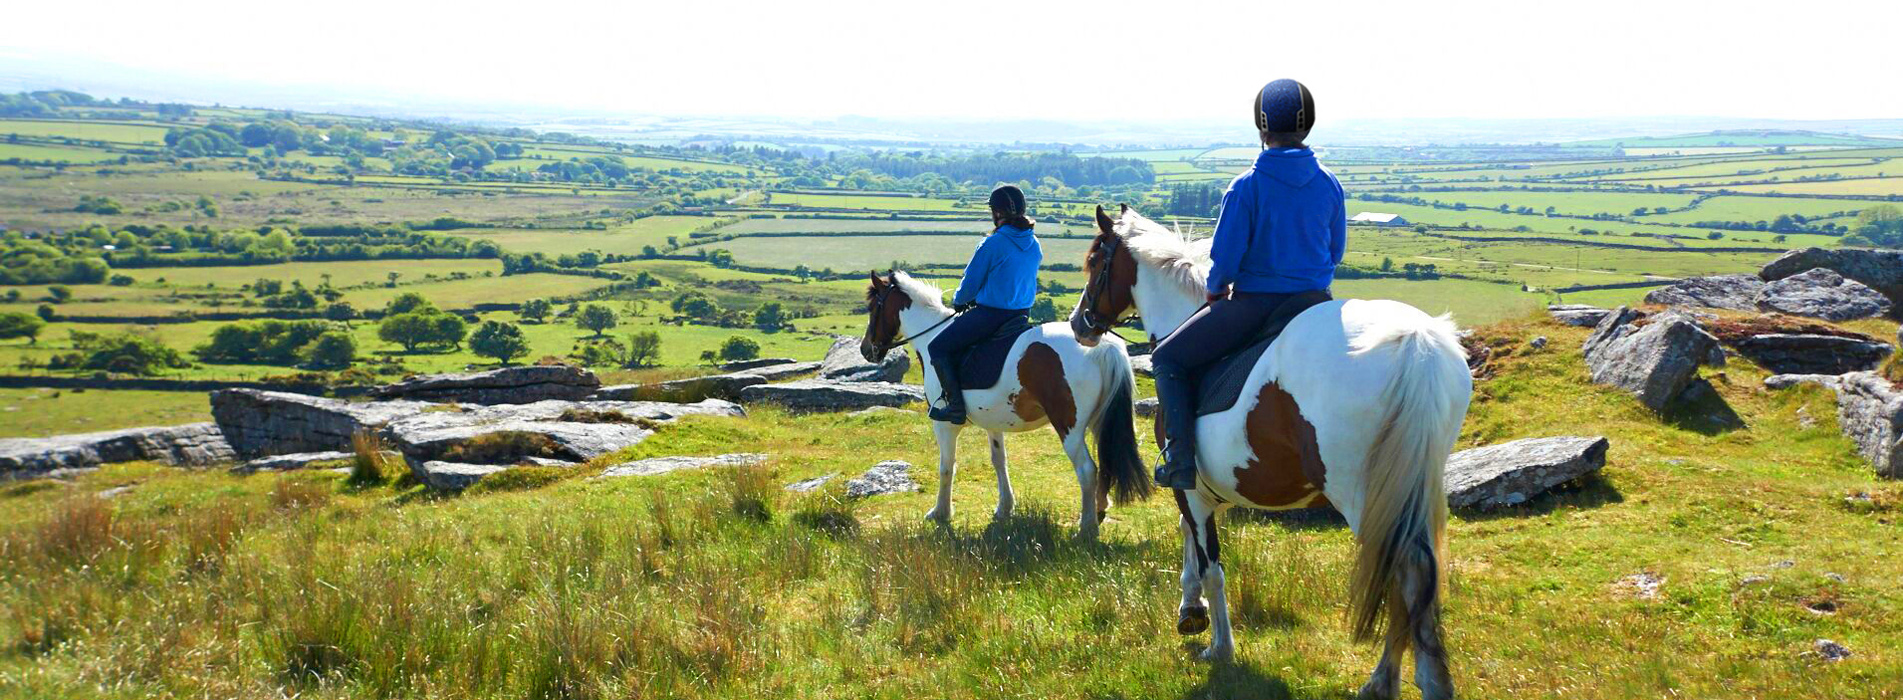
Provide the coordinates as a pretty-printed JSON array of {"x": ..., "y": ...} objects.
[{"x": 1110, "y": 61}]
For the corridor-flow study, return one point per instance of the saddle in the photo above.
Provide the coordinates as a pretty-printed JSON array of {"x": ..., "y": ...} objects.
[
  {"x": 1219, "y": 383},
  {"x": 980, "y": 365}
]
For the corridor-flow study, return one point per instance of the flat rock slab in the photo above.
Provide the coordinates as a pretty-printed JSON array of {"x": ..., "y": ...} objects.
[
  {"x": 1881, "y": 270},
  {"x": 259, "y": 423},
  {"x": 891, "y": 476},
  {"x": 299, "y": 460},
  {"x": 1870, "y": 410},
  {"x": 506, "y": 385},
  {"x": 573, "y": 431},
  {"x": 1512, "y": 473},
  {"x": 1141, "y": 364},
  {"x": 663, "y": 465},
  {"x": 1802, "y": 353},
  {"x": 1736, "y": 292},
  {"x": 1822, "y": 293},
  {"x": 1786, "y": 381},
  {"x": 714, "y": 386},
  {"x": 738, "y": 365},
  {"x": 876, "y": 411},
  {"x": 843, "y": 363},
  {"x": 827, "y": 395},
  {"x": 1577, "y": 314},
  {"x": 453, "y": 476},
  {"x": 813, "y": 484},
  {"x": 774, "y": 373},
  {"x": 194, "y": 444},
  {"x": 1653, "y": 362}
]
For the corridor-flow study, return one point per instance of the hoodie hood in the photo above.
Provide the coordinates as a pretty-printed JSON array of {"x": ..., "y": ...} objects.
[
  {"x": 1020, "y": 237},
  {"x": 1290, "y": 166}
]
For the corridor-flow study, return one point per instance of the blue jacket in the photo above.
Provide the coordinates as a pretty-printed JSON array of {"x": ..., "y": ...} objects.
[
  {"x": 1283, "y": 226},
  {"x": 1003, "y": 273}
]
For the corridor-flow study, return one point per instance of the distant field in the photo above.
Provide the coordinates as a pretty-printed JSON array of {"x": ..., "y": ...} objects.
[
  {"x": 85, "y": 131},
  {"x": 56, "y": 154},
  {"x": 853, "y": 201},
  {"x": 868, "y": 252},
  {"x": 465, "y": 293},
  {"x": 1887, "y": 186},
  {"x": 343, "y": 273},
  {"x": 47, "y": 412},
  {"x": 625, "y": 239},
  {"x": 1540, "y": 224},
  {"x": 1471, "y": 303},
  {"x": 1758, "y": 209},
  {"x": 1575, "y": 203},
  {"x": 976, "y": 225}
]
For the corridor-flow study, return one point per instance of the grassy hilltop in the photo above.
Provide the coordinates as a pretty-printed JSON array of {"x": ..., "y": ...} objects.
[{"x": 719, "y": 584}]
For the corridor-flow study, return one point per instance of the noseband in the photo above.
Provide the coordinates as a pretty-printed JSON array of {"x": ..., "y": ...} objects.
[{"x": 1099, "y": 284}]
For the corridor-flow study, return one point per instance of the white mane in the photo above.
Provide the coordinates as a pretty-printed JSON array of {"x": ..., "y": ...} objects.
[
  {"x": 1169, "y": 252},
  {"x": 920, "y": 291}
]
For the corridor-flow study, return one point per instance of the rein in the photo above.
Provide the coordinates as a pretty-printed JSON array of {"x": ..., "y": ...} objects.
[{"x": 878, "y": 310}]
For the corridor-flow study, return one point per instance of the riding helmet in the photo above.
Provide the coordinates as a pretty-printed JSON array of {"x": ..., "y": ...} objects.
[
  {"x": 1284, "y": 106},
  {"x": 1008, "y": 200}
]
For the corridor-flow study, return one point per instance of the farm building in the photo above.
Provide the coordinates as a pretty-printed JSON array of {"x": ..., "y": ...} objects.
[{"x": 1378, "y": 219}]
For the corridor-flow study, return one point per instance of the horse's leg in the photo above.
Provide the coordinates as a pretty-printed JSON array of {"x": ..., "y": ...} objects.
[
  {"x": 1075, "y": 446},
  {"x": 1192, "y": 614},
  {"x": 1385, "y": 682},
  {"x": 1005, "y": 498},
  {"x": 1222, "y": 644},
  {"x": 1418, "y": 586},
  {"x": 947, "y": 435},
  {"x": 1103, "y": 496}
]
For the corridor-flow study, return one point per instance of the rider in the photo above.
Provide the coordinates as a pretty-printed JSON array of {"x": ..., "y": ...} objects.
[
  {"x": 1281, "y": 231},
  {"x": 999, "y": 285}
]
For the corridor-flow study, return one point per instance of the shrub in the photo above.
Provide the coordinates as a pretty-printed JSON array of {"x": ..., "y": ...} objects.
[
  {"x": 597, "y": 318},
  {"x": 737, "y": 347},
  {"x": 419, "y": 328},
  {"x": 126, "y": 353},
  {"x": 268, "y": 341},
  {"x": 644, "y": 349},
  {"x": 332, "y": 350},
  {"x": 499, "y": 340},
  {"x": 17, "y": 324},
  {"x": 59, "y": 293},
  {"x": 407, "y": 302}
]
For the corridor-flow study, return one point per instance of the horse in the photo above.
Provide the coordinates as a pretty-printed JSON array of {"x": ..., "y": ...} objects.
[
  {"x": 1048, "y": 379},
  {"x": 1357, "y": 405}
]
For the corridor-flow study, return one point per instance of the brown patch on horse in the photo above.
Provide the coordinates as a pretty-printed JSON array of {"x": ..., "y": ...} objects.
[
  {"x": 1287, "y": 470},
  {"x": 884, "y": 328},
  {"x": 1046, "y": 394},
  {"x": 1118, "y": 295}
]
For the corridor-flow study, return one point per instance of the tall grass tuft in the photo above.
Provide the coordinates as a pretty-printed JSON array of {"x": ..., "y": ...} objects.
[
  {"x": 829, "y": 511},
  {"x": 80, "y": 528},
  {"x": 372, "y": 463},
  {"x": 750, "y": 492},
  {"x": 291, "y": 495}
]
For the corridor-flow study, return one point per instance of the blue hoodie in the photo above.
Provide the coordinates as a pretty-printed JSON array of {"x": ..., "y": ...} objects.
[
  {"x": 1283, "y": 226},
  {"x": 1003, "y": 273}
]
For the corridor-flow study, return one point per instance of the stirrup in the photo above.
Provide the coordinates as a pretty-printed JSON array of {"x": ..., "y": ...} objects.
[{"x": 948, "y": 414}]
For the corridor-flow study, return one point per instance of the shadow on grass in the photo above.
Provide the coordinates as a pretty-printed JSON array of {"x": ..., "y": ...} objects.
[
  {"x": 1033, "y": 538},
  {"x": 1589, "y": 491},
  {"x": 1700, "y": 409},
  {"x": 1295, "y": 519},
  {"x": 1243, "y": 681}
]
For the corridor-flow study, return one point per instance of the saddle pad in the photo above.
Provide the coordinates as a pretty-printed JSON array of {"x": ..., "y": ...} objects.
[
  {"x": 1219, "y": 384},
  {"x": 980, "y": 365}
]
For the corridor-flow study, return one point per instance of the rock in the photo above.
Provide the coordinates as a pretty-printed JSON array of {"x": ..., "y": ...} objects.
[
  {"x": 1822, "y": 293},
  {"x": 1538, "y": 344},
  {"x": 1881, "y": 270},
  {"x": 1141, "y": 365},
  {"x": 1737, "y": 292},
  {"x": 1795, "y": 353},
  {"x": 843, "y": 363},
  {"x": 715, "y": 386},
  {"x": 774, "y": 373},
  {"x": 1654, "y": 362},
  {"x": 1643, "y": 585},
  {"x": 882, "y": 411},
  {"x": 570, "y": 431},
  {"x": 1786, "y": 381},
  {"x": 1870, "y": 411},
  {"x": 890, "y": 476},
  {"x": 1147, "y": 407},
  {"x": 193, "y": 444},
  {"x": 1830, "y": 651},
  {"x": 259, "y": 423},
  {"x": 1576, "y": 314},
  {"x": 1613, "y": 325},
  {"x": 1511, "y": 473},
  {"x": 663, "y": 465},
  {"x": 813, "y": 484},
  {"x": 299, "y": 460},
  {"x": 453, "y": 476},
  {"x": 526, "y": 384},
  {"x": 738, "y": 365},
  {"x": 826, "y": 395}
]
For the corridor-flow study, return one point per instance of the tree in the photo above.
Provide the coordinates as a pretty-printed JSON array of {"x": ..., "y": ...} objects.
[
  {"x": 19, "y": 324},
  {"x": 597, "y": 318},
  {"x": 499, "y": 340},
  {"x": 736, "y": 348},
  {"x": 407, "y": 302},
  {"x": 419, "y": 328},
  {"x": 332, "y": 350},
  {"x": 46, "y": 312},
  {"x": 644, "y": 349},
  {"x": 1043, "y": 309},
  {"x": 59, "y": 293},
  {"x": 770, "y": 317},
  {"x": 341, "y": 311},
  {"x": 535, "y": 310},
  {"x": 393, "y": 278},
  {"x": 695, "y": 305},
  {"x": 126, "y": 353}
]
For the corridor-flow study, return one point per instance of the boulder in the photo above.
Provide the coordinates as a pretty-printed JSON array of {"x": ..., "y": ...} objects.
[
  {"x": 259, "y": 423},
  {"x": 843, "y": 363},
  {"x": 1577, "y": 314},
  {"x": 1147, "y": 407},
  {"x": 452, "y": 476},
  {"x": 1737, "y": 292},
  {"x": 890, "y": 476},
  {"x": 1870, "y": 410},
  {"x": 813, "y": 484},
  {"x": 774, "y": 373},
  {"x": 1141, "y": 364},
  {"x": 1800, "y": 353},
  {"x": 739, "y": 365},
  {"x": 1822, "y": 293},
  {"x": 663, "y": 465},
  {"x": 1512, "y": 473},
  {"x": 526, "y": 384},
  {"x": 299, "y": 460},
  {"x": 713, "y": 386},
  {"x": 827, "y": 395},
  {"x": 1786, "y": 381},
  {"x": 193, "y": 444},
  {"x": 1881, "y": 270},
  {"x": 569, "y": 431},
  {"x": 1653, "y": 362}
]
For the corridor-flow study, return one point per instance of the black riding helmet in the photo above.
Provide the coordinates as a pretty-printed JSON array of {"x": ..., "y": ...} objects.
[
  {"x": 1284, "y": 106},
  {"x": 1008, "y": 200}
]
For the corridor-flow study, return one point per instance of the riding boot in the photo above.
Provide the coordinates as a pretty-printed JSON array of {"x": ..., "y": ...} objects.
[
  {"x": 953, "y": 411},
  {"x": 1177, "y": 396}
]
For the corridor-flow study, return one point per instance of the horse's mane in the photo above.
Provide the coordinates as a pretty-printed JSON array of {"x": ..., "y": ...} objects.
[
  {"x": 920, "y": 291},
  {"x": 1170, "y": 252}
]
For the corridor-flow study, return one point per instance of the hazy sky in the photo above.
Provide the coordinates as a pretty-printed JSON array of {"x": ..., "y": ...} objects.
[{"x": 1821, "y": 59}]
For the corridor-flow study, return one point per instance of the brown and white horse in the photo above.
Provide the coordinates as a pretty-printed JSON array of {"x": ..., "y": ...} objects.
[
  {"x": 1357, "y": 405},
  {"x": 1048, "y": 378}
]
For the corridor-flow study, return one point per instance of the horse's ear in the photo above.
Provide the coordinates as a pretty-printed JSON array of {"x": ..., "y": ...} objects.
[
  {"x": 1126, "y": 208},
  {"x": 876, "y": 281},
  {"x": 1104, "y": 223}
]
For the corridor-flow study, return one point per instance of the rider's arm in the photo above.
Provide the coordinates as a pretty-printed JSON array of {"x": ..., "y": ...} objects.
[
  {"x": 1338, "y": 240},
  {"x": 1234, "y": 222},
  {"x": 975, "y": 273}
]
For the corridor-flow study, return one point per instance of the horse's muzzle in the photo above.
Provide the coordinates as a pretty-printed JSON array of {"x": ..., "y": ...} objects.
[
  {"x": 872, "y": 353},
  {"x": 1086, "y": 334}
]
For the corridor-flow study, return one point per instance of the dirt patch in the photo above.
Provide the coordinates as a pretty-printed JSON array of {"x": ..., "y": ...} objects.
[
  {"x": 1733, "y": 330},
  {"x": 503, "y": 448},
  {"x": 583, "y": 415}
]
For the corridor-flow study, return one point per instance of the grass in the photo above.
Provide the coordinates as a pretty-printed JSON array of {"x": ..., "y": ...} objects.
[
  {"x": 868, "y": 252},
  {"x": 48, "y": 412},
  {"x": 718, "y": 584}
]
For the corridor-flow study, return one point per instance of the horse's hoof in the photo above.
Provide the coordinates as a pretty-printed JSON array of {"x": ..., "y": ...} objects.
[
  {"x": 1192, "y": 620},
  {"x": 1219, "y": 654},
  {"x": 1102, "y": 514},
  {"x": 1379, "y": 688},
  {"x": 933, "y": 516}
]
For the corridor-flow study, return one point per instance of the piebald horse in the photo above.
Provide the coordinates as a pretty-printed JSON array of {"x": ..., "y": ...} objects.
[
  {"x": 1048, "y": 378},
  {"x": 1356, "y": 405}
]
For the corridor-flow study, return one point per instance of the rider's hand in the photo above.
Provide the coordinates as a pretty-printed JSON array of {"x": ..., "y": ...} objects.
[
  {"x": 1214, "y": 297},
  {"x": 965, "y": 306}
]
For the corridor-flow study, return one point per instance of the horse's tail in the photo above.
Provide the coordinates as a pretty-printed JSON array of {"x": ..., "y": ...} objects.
[
  {"x": 1404, "y": 510},
  {"x": 1119, "y": 463}
]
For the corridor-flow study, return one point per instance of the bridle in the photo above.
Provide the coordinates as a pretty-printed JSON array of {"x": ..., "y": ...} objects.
[
  {"x": 878, "y": 313},
  {"x": 1100, "y": 283}
]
